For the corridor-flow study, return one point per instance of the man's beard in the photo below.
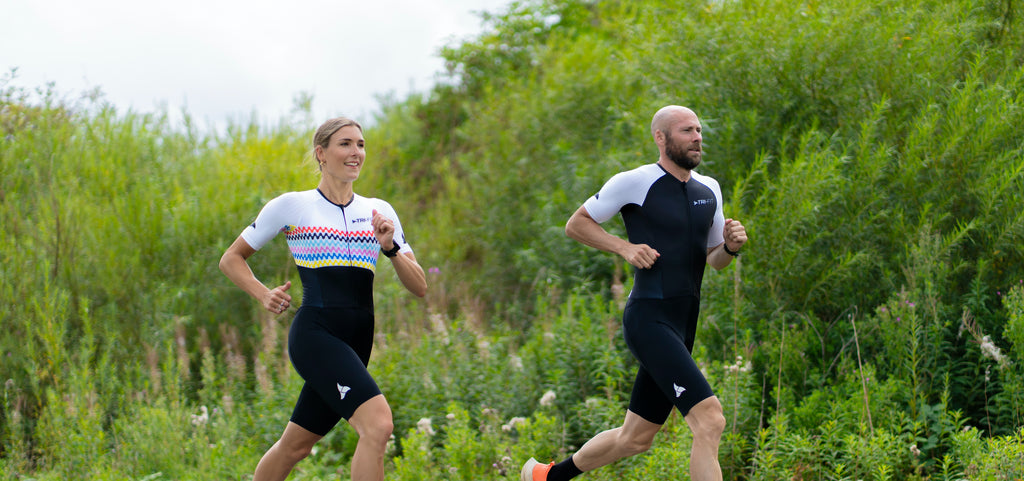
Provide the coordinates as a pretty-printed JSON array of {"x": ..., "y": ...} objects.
[{"x": 680, "y": 155}]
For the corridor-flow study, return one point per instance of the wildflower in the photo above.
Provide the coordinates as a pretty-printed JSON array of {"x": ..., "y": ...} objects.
[
  {"x": 990, "y": 350},
  {"x": 914, "y": 450},
  {"x": 434, "y": 270},
  {"x": 740, "y": 366},
  {"x": 502, "y": 465},
  {"x": 512, "y": 423},
  {"x": 547, "y": 399},
  {"x": 424, "y": 426},
  {"x": 201, "y": 418},
  {"x": 517, "y": 362}
]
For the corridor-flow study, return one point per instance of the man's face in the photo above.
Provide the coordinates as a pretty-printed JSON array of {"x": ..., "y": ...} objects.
[{"x": 683, "y": 147}]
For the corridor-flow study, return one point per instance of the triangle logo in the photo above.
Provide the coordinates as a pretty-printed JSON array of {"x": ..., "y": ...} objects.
[{"x": 679, "y": 389}]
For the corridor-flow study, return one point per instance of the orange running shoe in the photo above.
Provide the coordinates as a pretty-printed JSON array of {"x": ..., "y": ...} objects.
[{"x": 534, "y": 471}]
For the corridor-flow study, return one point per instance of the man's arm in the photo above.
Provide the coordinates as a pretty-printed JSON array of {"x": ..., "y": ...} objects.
[
  {"x": 584, "y": 229},
  {"x": 735, "y": 236}
]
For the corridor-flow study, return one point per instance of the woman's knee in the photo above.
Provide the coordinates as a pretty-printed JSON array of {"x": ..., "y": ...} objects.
[
  {"x": 373, "y": 421},
  {"x": 295, "y": 443},
  {"x": 379, "y": 429},
  {"x": 293, "y": 451}
]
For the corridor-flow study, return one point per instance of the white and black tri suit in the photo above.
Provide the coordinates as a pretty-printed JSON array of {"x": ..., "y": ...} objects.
[
  {"x": 680, "y": 220},
  {"x": 332, "y": 333}
]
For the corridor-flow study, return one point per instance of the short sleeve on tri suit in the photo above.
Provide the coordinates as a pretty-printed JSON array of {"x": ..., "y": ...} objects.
[
  {"x": 274, "y": 218},
  {"x": 624, "y": 188}
]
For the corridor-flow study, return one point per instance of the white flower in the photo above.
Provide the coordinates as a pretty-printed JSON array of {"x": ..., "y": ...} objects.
[
  {"x": 990, "y": 350},
  {"x": 512, "y": 423},
  {"x": 547, "y": 399},
  {"x": 424, "y": 426},
  {"x": 202, "y": 417},
  {"x": 517, "y": 362}
]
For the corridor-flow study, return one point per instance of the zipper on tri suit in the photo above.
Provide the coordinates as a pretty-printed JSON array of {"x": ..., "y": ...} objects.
[{"x": 346, "y": 235}]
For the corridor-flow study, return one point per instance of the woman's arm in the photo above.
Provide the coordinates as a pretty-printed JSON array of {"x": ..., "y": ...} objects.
[
  {"x": 410, "y": 272},
  {"x": 233, "y": 264}
]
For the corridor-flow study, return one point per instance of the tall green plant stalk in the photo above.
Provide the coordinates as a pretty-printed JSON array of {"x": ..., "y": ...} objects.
[
  {"x": 736, "y": 278},
  {"x": 860, "y": 370}
]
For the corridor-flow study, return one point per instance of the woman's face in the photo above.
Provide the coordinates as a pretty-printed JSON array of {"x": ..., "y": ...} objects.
[{"x": 344, "y": 155}]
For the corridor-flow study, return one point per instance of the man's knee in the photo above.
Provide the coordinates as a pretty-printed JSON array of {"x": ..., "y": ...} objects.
[
  {"x": 635, "y": 442},
  {"x": 707, "y": 421}
]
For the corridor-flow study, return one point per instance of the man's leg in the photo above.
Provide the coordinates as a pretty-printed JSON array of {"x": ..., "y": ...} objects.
[
  {"x": 707, "y": 423},
  {"x": 633, "y": 437}
]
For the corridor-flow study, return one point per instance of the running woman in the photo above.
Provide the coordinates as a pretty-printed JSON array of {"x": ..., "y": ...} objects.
[
  {"x": 674, "y": 224},
  {"x": 335, "y": 236}
]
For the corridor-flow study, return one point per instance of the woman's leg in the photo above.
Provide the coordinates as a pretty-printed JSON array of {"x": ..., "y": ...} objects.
[
  {"x": 372, "y": 422},
  {"x": 295, "y": 444}
]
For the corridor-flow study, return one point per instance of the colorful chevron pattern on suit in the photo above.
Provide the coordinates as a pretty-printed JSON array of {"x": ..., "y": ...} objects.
[{"x": 323, "y": 246}]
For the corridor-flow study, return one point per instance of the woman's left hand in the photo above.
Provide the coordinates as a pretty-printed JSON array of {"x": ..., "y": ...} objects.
[{"x": 383, "y": 230}]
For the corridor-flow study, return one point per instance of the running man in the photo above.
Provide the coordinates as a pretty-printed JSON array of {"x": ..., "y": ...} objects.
[{"x": 674, "y": 224}]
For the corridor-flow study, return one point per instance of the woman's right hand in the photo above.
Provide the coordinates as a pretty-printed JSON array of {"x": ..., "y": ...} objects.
[{"x": 277, "y": 300}]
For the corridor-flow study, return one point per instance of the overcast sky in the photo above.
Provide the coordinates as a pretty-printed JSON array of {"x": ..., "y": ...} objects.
[{"x": 225, "y": 59}]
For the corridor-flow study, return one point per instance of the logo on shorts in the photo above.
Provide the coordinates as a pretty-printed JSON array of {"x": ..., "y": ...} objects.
[
  {"x": 679, "y": 389},
  {"x": 343, "y": 390}
]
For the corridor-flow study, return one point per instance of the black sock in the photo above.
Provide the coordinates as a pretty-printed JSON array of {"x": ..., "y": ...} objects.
[{"x": 564, "y": 471}]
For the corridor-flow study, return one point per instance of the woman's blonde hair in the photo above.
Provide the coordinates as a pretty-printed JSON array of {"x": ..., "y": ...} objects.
[{"x": 322, "y": 137}]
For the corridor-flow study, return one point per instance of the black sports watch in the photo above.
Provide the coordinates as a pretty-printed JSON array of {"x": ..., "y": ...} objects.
[
  {"x": 393, "y": 252},
  {"x": 727, "y": 251}
]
